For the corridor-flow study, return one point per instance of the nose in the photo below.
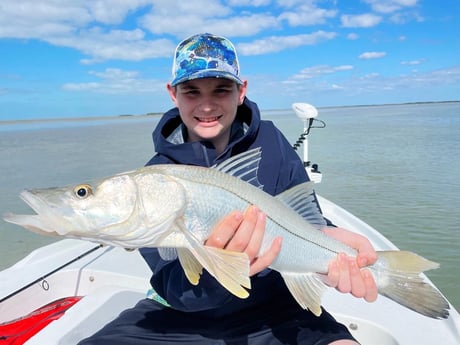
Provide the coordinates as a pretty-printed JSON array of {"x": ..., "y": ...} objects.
[{"x": 207, "y": 104}]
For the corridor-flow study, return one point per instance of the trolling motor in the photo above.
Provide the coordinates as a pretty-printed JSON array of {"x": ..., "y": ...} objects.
[{"x": 307, "y": 113}]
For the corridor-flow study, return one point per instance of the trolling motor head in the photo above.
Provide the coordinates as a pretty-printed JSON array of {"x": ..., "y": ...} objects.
[{"x": 305, "y": 111}]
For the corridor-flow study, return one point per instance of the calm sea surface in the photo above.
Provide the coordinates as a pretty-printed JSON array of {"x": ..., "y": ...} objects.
[{"x": 397, "y": 167}]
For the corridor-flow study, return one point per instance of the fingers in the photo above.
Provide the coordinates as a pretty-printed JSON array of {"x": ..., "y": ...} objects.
[
  {"x": 248, "y": 238},
  {"x": 367, "y": 253},
  {"x": 238, "y": 232},
  {"x": 249, "y": 235},
  {"x": 262, "y": 262},
  {"x": 245, "y": 233},
  {"x": 347, "y": 277},
  {"x": 223, "y": 232},
  {"x": 348, "y": 274},
  {"x": 371, "y": 286},
  {"x": 356, "y": 284}
]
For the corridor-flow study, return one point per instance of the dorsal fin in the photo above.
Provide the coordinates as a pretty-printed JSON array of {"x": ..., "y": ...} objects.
[
  {"x": 301, "y": 198},
  {"x": 243, "y": 166}
]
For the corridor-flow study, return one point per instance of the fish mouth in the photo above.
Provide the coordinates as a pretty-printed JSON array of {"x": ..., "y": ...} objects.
[
  {"x": 34, "y": 201},
  {"x": 38, "y": 222}
]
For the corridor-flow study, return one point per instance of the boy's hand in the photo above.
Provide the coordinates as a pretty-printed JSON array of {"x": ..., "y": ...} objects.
[
  {"x": 345, "y": 273},
  {"x": 244, "y": 233}
]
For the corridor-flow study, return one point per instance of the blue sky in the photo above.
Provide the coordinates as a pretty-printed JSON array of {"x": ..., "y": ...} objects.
[{"x": 82, "y": 58}]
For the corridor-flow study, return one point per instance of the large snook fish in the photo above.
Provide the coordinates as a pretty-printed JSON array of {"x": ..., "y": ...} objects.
[{"x": 176, "y": 206}]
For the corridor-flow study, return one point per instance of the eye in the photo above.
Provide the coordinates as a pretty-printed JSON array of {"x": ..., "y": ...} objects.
[{"x": 83, "y": 191}]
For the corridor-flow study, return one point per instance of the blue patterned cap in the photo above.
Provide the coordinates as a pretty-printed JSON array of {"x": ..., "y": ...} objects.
[{"x": 205, "y": 56}]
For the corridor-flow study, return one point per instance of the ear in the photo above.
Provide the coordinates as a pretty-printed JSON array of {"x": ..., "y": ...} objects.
[
  {"x": 242, "y": 92},
  {"x": 172, "y": 93}
]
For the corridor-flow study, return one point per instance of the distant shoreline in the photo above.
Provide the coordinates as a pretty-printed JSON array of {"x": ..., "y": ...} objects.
[
  {"x": 78, "y": 119},
  {"x": 131, "y": 116},
  {"x": 385, "y": 104}
]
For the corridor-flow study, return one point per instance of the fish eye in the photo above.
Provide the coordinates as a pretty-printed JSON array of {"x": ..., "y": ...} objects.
[{"x": 83, "y": 191}]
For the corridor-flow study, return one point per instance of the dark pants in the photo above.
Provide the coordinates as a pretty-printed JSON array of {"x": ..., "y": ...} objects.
[{"x": 151, "y": 323}]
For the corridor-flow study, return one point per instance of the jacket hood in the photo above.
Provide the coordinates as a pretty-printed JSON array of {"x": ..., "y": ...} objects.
[{"x": 170, "y": 147}]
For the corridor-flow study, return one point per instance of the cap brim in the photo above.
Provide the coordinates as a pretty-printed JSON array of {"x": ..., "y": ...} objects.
[{"x": 207, "y": 74}]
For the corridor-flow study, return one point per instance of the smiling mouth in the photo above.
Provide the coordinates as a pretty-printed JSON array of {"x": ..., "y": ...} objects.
[{"x": 208, "y": 119}]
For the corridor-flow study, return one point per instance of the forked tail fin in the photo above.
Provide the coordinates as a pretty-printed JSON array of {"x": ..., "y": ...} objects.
[{"x": 397, "y": 274}]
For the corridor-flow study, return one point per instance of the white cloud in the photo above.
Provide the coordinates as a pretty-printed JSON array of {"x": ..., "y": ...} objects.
[
  {"x": 307, "y": 14},
  {"x": 38, "y": 19},
  {"x": 404, "y": 17},
  {"x": 390, "y": 6},
  {"x": 184, "y": 25},
  {"x": 441, "y": 76},
  {"x": 352, "y": 36},
  {"x": 141, "y": 29},
  {"x": 430, "y": 79},
  {"x": 115, "y": 74},
  {"x": 115, "y": 44},
  {"x": 107, "y": 29},
  {"x": 370, "y": 83},
  {"x": 336, "y": 87},
  {"x": 278, "y": 43},
  {"x": 319, "y": 79},
  {"x": 412, "y": 63},
  {"x": 79, "y": 25},
  {"x": 117, "y": 81},
  {"x": 398, "y": 11},
  {"x": 360, "y": 21},
  {"x": 45, "y": 18},
  {"x": 254, "y": 3},
  {"x": 113, "y": 11},
  {"x": 181, "y": 18},
  {"x": 372, "y": 55},
  {"x": 320, "y": 70}
]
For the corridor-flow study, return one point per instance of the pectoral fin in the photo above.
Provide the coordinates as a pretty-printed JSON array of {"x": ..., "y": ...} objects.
[
  {"x": 307, "y": 290},
  {"x": 231, "y": 269}
]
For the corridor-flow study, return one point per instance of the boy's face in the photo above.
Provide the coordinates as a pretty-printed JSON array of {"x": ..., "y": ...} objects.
[{"x": 208, "y": 108}]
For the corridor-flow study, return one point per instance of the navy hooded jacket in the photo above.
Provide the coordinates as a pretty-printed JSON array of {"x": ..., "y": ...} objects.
[{"x": 280, "y": 168}]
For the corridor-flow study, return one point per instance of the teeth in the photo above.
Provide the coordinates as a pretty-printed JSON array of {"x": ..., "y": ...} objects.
[{"x": 207, "y": 119}]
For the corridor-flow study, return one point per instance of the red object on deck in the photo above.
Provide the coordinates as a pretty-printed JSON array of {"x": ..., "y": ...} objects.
[{"x": 20, "y": 330}]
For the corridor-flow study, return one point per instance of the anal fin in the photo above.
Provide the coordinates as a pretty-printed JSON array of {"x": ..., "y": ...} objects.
[
  {"x": 192, "y": 268},
  {"x": 307, "y": 290}
]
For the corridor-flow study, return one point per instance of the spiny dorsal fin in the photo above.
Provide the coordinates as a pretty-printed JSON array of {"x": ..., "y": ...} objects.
[
  {"x": 244, "y": 166},
  {"x": 301, "y": 199}
]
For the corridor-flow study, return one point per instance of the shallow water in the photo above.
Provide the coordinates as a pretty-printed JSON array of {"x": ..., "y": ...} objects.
[{"x": 397, "y": 167}]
